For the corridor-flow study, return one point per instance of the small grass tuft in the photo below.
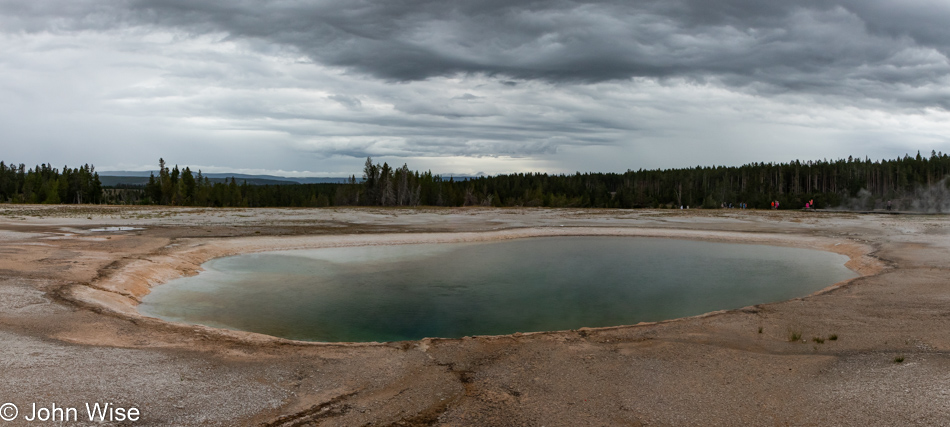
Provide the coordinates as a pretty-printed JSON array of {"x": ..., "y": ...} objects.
[
  {"x": 794, "y": 336},
  {"x": 833, "y": 337},
  {"x": 818, "y": 340},
  {"x": 899, "y": 359},
  {"x": 760, "y": 329}
]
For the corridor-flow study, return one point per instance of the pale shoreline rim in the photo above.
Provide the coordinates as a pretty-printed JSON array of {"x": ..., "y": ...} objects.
[{"x": 193, "y": 252}]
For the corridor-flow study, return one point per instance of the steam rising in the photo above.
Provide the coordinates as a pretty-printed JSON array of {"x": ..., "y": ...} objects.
[
  {"x": 936, "y": 198},
  {"x": 932, "y": 199}
]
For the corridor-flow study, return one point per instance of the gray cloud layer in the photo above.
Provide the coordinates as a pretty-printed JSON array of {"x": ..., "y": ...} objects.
[
  {"x": 488, "y": 78},
  {"x": 887, "y": 50}
]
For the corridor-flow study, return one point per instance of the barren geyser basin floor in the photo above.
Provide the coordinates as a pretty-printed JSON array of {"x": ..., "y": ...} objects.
[{"x": 75, "y": 282}]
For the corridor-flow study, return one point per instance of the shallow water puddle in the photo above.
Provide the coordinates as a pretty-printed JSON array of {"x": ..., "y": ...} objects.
[{"x": 106, "y": 229}]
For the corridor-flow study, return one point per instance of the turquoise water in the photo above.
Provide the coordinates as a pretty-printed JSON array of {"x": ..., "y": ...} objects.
[{"x": 403, "y": 292}]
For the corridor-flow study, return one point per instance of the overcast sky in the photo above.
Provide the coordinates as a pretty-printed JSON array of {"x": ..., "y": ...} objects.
[{"x": 313, "y": 87}]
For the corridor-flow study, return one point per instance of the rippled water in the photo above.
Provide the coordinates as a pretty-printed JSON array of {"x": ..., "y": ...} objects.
[{"x": 387, "y": 293}]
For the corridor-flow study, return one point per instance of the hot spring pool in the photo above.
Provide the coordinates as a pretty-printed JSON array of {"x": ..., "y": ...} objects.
[{"x": 404, "y": 292}]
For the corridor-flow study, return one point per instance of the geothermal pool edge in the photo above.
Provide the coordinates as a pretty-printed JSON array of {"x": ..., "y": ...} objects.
[{"x": 120, "y": 292}]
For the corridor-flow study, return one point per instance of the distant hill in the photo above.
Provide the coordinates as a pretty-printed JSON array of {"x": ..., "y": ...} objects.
[
  {"x": 113, "y": 178},
  {"x": 112, "y": 181}
]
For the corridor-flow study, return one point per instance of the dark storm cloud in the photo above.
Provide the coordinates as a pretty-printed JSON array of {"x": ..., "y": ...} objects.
[{"x": 854, "y": 48}]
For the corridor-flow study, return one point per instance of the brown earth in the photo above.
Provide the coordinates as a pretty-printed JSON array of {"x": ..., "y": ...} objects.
[{"x": 70, "y": 333}]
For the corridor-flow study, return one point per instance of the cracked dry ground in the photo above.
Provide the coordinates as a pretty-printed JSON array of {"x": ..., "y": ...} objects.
[{"x": 716, "y": 369}]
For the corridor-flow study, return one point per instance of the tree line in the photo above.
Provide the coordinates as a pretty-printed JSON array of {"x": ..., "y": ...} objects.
[
  {"x": 46, "y": 184},
  {"x": 858, "y": 183}
]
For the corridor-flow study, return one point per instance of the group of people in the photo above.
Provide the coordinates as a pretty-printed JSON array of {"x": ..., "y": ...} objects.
[
  {"x": 724, "y": 205},
  {"x": 775, "y": 204}
]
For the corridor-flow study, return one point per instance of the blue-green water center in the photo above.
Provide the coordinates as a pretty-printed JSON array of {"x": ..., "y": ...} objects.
[{"x": 403, "y": 292}]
